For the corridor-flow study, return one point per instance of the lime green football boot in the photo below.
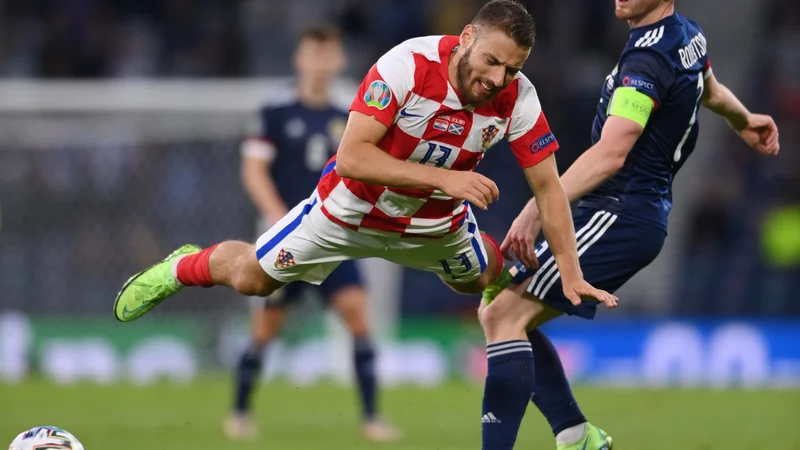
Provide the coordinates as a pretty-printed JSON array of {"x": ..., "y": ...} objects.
[
  {"x": 593, "y": 439},
  {"x": 494, "y": 289},
  {"x": 145, "y": 290}
]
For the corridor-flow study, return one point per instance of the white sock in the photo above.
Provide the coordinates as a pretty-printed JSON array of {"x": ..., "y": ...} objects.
[
  {"x": 571, "y": 435},
  {"x": 175, "y": 269}
]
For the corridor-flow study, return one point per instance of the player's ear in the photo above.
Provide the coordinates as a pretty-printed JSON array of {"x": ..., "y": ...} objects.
[{"x": 468, "y": 36}]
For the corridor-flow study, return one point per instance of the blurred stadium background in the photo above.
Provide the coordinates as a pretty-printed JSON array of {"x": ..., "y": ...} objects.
[{"x": 119, "y": 131}]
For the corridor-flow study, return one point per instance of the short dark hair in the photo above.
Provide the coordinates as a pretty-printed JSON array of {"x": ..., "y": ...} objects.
[
  {"x": 511, "y": 18},
  {"x": 321, "y": 33}
]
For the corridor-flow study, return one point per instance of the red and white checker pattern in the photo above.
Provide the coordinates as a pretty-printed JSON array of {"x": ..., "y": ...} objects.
[{"x": 428, "y": 124}]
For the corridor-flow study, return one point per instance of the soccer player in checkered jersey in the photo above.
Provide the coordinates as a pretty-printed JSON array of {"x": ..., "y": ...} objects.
[
  {"x": 646, "y": 127},
  {"x": 291, "y": 140},
  {"x": 401, "y": 184}
]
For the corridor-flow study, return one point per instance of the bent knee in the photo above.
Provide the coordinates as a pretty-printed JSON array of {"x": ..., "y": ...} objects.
[
  {"x": 250, "y": 279},
  {"x": 508, "y": 312}
]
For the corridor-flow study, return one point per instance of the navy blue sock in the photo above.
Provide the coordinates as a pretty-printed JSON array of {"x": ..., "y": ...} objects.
[
  {"x": 248, "y": 371},
  {"x": 364, "y": 359},
  {"x": 509, "y": 386},
  {"x": 551, "y": 391}
]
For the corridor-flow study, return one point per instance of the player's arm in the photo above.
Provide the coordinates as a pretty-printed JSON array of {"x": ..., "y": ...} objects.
[
  {"x": 604, "y": 159},
  {"x": 360, "y": 158},
  {"x": 382, "y": 94},
  {"x": 757, "y": 130},
  {"x": 556, "y": 217},
  {"x": 257, "y": 154}
]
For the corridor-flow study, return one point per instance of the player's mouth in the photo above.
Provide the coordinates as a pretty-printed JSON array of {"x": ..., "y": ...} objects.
[{"x": 485, "y": 88}]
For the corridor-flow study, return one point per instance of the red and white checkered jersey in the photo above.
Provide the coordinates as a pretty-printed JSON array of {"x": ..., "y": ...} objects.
[{"x": 408, "y": 90}]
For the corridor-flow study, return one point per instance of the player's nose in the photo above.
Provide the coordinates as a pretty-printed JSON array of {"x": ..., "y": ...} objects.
[{"x": 497, "y": 76}]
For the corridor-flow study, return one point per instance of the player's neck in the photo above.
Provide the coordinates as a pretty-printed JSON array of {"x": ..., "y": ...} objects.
[
  {"x": 665, "y": 10},
  {"x": 313, "y": 96},
  {"x": 452, "y": 71}
]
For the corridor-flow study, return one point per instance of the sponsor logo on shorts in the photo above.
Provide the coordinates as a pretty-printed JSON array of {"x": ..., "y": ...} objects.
[
  {"x": 542, "y": 142},
  {"x": 378, "y": 94},
  {"x": 285, "y": 259}
]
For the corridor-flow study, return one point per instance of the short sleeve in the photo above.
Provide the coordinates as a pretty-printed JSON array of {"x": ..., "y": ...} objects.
[
  {"x": 648, "y": 72},
  {"x": 529, "y": 134},
  {"x": 259, "y": 144},
  {"x": 386, "y": 87}
]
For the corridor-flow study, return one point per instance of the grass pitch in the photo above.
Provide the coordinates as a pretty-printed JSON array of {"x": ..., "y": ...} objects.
[{"x": 125, "y": 417}]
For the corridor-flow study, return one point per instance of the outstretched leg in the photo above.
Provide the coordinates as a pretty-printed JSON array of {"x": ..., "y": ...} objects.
[{"x": 230, "y": 263}]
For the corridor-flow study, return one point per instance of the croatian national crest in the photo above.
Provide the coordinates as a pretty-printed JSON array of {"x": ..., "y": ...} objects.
[
  {"x": 378, "y": 94},
  {"x": 487, "y": 136},
  {"x": 285, "y": 259}
]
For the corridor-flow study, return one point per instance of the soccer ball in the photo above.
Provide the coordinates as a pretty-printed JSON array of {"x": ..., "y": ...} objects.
[{"x": 45, "y": 438}]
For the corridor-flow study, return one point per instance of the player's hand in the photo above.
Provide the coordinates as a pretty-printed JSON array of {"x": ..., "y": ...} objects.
[
  {"x": 579, "y": 290},
  {"x": 470, "y": 186},
  {"x": 521, "y": 237},
  {"x": 761, "y": 133}
]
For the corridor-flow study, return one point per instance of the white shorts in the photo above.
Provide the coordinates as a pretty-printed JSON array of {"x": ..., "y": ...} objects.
[{"x": 307, "y": 246}]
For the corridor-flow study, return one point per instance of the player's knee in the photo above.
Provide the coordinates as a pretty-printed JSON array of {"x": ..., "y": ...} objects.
[
  {"x": 250, "y": 279},
  {"x": 251, "y": 283},
  {"x": 505, "y": 313}
]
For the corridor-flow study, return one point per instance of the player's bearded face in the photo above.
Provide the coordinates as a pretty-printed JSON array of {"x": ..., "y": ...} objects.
[
  {"x": 632, "y": 9},
  {"x": 483, "y": 69}
]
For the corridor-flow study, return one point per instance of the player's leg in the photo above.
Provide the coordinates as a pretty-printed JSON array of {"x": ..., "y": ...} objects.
[
  {"x": 552, "y": 394},
  {"x": 611, "y": 251},
  {"x": 346, "y": 291},
  {"x": 267, "y": 318},
  {"x": 462, "y": 261},
  {"x": 291, "y": 250}
]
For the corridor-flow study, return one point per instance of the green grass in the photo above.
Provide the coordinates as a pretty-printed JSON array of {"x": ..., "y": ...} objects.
[{"x": 124, "y": 417}]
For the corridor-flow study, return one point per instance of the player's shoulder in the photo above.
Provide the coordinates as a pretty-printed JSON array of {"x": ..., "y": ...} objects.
[
  {"x": 519, "y": 97},
  {"x": 428, "y": 47},
  {"x": 419, "y": 53},
  {"x": 667, "y": 38}
]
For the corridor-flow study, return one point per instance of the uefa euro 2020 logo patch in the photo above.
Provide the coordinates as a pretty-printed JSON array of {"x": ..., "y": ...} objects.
[{"x": 378, "y": 94}]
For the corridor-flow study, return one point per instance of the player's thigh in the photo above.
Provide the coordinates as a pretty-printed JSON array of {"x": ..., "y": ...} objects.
[
  {"x": 611, "y": 250},
  {"x": 458, "y": 258},
  {"x": 302, "y": 247}
]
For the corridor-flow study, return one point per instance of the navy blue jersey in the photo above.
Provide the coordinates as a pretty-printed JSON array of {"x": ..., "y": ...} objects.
[
  {"x": 668, "y": 62},
  {"x": 299, "y": 141}
]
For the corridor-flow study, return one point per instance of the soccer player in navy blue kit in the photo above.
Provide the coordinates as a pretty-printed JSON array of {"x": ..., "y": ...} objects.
[
  {"x": 290, "y": 144},
  {"x": 646, "y": 127}
]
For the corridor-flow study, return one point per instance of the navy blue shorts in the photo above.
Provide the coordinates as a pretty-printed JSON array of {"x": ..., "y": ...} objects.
[
  {"x": 345, "y": 275},
  {"x": 611, "y": 248}
]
